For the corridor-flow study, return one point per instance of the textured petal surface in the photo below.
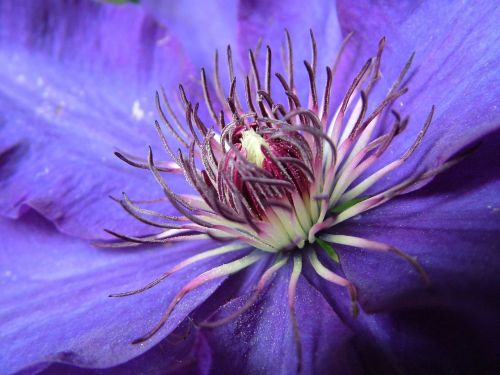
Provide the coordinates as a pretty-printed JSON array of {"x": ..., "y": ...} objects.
[
  {"x": 454, "y": 68},
  {"x": 54, "y": 304},
  {"x": 69, "y": 98},
  {"x": 262, "y": 340},
  {"x": 203, "y": 26},
  {"x": 267, "y": 20},
  {"x": 420, "y": 340},
  {"x": 452, "y": 227},
  {"x": 175, "y": 355}
]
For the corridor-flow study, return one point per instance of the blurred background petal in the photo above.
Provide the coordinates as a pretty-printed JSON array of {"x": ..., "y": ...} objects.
[
  {"x": 203, "y": 26},
  {"x": 78, "y": 81}
]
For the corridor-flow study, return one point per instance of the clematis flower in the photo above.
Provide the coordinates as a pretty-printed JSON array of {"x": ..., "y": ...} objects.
[{"x": 293, "y": 197}]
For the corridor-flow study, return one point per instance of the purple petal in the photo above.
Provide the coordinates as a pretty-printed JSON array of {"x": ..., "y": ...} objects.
[
  {"x": 54, "y": 290},
  {"x": 451, "y": 226},
  {"x": 177, "y": 354},
  {"x": 459, "y": 340},
  {"x": 454, "y": 68},
  {"x": 267, "y": 21},
  {"x": 171, "y": 356},
  {"x": 261, "y": 340},
  {"x": 76, "y": 82},
  {"x": 204, "y": 26}
]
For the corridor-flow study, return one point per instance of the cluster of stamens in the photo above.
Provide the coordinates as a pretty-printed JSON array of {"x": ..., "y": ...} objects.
[{"x": 276, "y": 176}]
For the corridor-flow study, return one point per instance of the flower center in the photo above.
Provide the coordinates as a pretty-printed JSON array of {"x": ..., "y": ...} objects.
[{"x": 279, "y": 175}]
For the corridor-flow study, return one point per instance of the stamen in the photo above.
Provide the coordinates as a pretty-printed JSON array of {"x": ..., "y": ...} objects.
[
  {"x": 376, "y": 67},
  {"x": 291, "y": 82},
  {"x": 341, "y": 51},
  {"x": 261, "y": 284},
  {"x": 269, "y": 181},
  {"x": 402, "y": 74},
  {"x": 268, "y": 70},
  {"x": 314, "y": 54},
  {"x": 206, "y": 95},
  {"x": 383, "y": 197},
  {"x": 255, "y": 71},
  {"x": 172, "y": 167},
  {"x": 231, "y": 99},
  {"x": 326, "y": 98},
  {"x": 270, "y": 103},
  {"x": 216, "y": 77},
  {"x": 144, "y": 211},
  {"x": 379, "y": 246},
  {"x": 299, "y": 163},
  {"x": 145, "y": 239},
  {"x": 214, "y": 273},
  {"x": 335, "y": 127},
  {"x": 312, "y": 84},
  {"x": 232, "y": 76},
  {"x": 172, "y": 114},
  {"x": 134, "y": 211},
  {"x": 373, "y": 178},
  {"x": 277, "y": 175},
  {"x": 328, "y": 275},
  {"x": 420, "y": 135},
  {"x": 291, "y": 104},
  {"x": 183, "y": 97},
  {"x": 199, "y": 124},
  {"x": 248, "y": 95},
  {"x": 165, "y": 120},
  {"x": 189, "y": 113},
  {"x": 178, "y": 203},
  {"x": 292, "y": 291},
  {"x": 164, "y": 142},
  {"x": 388, "y": 99},
  {"x": 187, "y": 262}
]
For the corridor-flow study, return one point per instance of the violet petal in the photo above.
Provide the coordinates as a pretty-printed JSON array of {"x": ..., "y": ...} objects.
[
  {"x": 204, "y": 26},
  {"x": 451, "y": 226},
  {"x": 267, "y": 21},
  {"x": 55, "y": 291},
  {"x": 453, "y": 69},
  {"x": 69, "y": 98},
  {"x": 262, "y": 340},
  {"x": 177, "y": 354},
  {"x": 460, "y": 339}
]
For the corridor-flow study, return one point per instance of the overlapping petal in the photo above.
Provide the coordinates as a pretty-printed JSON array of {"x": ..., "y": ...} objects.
[
  {"x": 54, "y": 304},
  {"x": 203, "y": 26},
  {"x": 455, "y": 55},
  {"x": 265, "y": 22},
  {"x": 451, "y": 226},
  {"x": 262, "y": 338},
  {"x": 420, "y": 340},
  {"x": 69, "y": 97},
  {"x": 77, "y": 82},
  {"x": 177, "y": 356}
]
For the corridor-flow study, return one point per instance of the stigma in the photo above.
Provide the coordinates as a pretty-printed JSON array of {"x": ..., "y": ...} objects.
[{"x": 252, "y": 144}]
